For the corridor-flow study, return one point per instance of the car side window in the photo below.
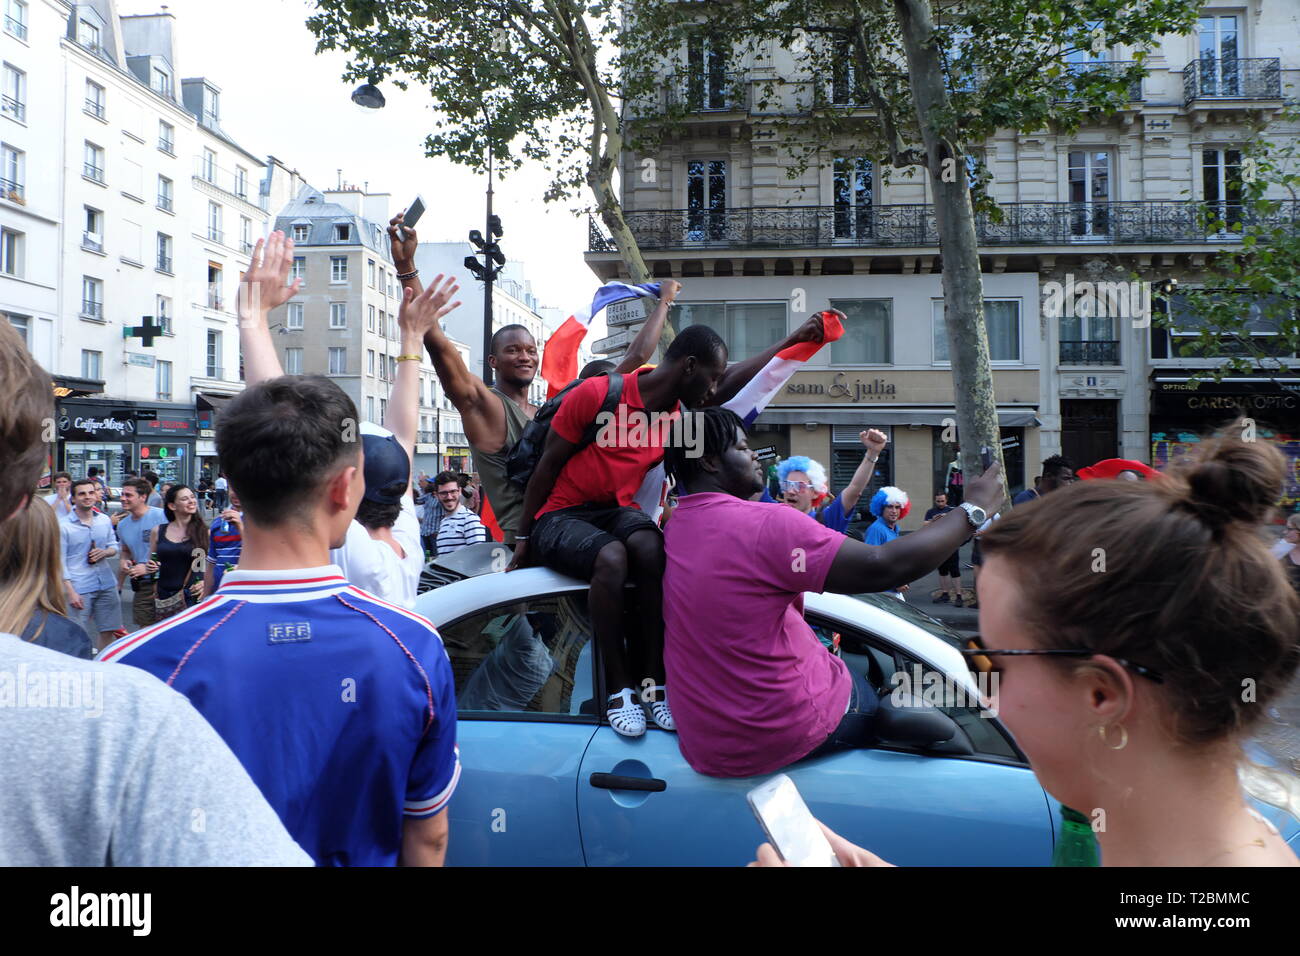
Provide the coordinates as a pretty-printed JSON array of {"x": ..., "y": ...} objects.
[
  {"x": 885, "y": 668},
  {"x": 523, "y": 657}
]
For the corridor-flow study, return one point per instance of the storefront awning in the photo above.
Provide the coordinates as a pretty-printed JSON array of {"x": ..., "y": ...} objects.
[
  {"x": 868, "y": 415},
  {"x": 68, "y": 386},
  {"x": 207, "y": 400}
]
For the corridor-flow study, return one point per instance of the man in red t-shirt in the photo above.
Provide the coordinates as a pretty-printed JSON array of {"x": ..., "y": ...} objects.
[{"x": 579, "y": 517}]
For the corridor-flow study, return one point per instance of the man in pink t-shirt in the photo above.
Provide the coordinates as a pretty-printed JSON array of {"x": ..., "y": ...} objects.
[{"x": 753, "y": 688}]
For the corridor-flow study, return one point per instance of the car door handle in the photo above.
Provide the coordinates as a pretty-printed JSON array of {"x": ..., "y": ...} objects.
[{"x": 618, "y": 781}]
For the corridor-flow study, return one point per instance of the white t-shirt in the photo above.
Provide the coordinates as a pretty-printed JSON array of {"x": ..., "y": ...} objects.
[
  {"x": 222, "y": 484},
  {"x": 374, "y": 566},
  {"x": 1280, "y": 547}
]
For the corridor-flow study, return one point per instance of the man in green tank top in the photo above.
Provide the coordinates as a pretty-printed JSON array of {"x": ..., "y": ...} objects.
[{"x": 494, "y": 417}]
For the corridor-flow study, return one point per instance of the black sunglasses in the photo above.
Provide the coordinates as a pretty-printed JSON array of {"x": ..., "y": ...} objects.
[{"x": 979, "y": 657}]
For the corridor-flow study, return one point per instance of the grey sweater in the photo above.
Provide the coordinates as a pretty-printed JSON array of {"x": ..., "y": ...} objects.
[{"x": 107, "y": 766}]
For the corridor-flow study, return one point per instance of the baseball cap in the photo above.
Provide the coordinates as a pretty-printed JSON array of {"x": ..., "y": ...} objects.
[{"x": 386, "y": 463}]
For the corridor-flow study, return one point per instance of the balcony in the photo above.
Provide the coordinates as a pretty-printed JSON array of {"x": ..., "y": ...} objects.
[
  {"x": 228, "y": 181},
  {"x": 1232, "y": 79},
  {"x": 91, "y": 171},
  {"x": 92, "y": 310},
  {"x": 1089, "y": 353},
  {"x": 16, "y": 27},
  {"x": 15, "y": 108},
  {"x": 165, "y": 264},
  {"x": 164, "y": 203},
  {"x": 216, "y": 302},
  {"x": 13, "y": 191},
  {"x": 94, "y": 108},
  {"x": 216, "y": 235},
  {"x": 1033, "y": 224},
  {"x": 1107, "y": 69},
  {"x": 92, "y": 241},
  {"x": 713, "y": 92},
  {"x": 168, "y": 146}
]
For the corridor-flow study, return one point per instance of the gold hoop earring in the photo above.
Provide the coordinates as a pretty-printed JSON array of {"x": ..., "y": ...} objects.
[{"x": 1123, "y": 737}]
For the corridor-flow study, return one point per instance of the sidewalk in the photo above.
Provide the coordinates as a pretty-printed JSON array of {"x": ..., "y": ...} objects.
[{"x": 958, "y": 618}]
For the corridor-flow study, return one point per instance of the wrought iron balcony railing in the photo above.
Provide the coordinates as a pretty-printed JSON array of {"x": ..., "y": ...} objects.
[
  {"x": 92, "y": 241},
  {"x": 1026, "y": 223},
  {"x": 710, "y": 92},
  {"x": 92, "y": 310},
  {"x": 13, "y": 190},
  {"x": 1089, "y": 353},
  {"x": 14, "y": 107},
  {"x": 1223, "y": 78},
  {"x": 165, "y": 264},
  {"x": 91, "y": 171},
  {"x": 95, "y": 108},
  {"x": 16, "y": 27},
  {"x": 1106, "y": 68},
  {"x": 164, "y": 202}
]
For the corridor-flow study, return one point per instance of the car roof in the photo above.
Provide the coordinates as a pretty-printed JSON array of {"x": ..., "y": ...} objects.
[{"x": 457, "y": 600}]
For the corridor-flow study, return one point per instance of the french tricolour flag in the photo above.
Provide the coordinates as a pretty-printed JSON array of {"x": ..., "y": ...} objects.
[
  {"x": 560, "y": 354},
  {"x": 762, "y": 388}
]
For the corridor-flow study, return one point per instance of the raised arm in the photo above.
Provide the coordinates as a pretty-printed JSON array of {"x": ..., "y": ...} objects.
[
  {"x": 481, "y": 414},
  {"x": 417, "y": 315},
  {"x": 875, "y": 442},
  {"x": 262, "y": 288},
  {"x": 738, "y": 374},
  {"x": 859, "y": 567},
  {"x": 643, "y": 346}
]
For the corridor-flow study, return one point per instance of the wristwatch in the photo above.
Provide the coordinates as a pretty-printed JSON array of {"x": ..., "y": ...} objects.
[{"x": 974, "y": 514}]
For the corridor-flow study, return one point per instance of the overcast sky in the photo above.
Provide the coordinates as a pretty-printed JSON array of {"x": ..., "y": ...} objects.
[{"x": 280, "y": 98}]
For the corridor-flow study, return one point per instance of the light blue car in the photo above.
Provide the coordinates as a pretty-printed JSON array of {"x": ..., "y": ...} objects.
[{"x": 546, "y": 782}]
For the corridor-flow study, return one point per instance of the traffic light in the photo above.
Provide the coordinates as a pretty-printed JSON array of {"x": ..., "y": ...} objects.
[
  {"x": 474, "y": 266},
  {"x": 494, "y": 225}
]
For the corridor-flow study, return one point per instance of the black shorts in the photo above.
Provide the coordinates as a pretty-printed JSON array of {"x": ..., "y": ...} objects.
[
  {"x": 568, "y": 540},
  {"x": 952, "y": 567}
]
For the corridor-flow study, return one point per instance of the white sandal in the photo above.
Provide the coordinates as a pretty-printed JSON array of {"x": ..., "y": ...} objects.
[
  {"x": 628, "y": 720},
  {"x": 660, "y": 712}
]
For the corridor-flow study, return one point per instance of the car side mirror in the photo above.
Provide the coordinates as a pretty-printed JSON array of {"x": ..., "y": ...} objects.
[{"x": 907, "y": 720}]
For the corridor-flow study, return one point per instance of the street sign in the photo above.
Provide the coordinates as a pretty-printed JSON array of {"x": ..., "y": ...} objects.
[
  {"x": 616, "y": 341},
  {"x": 627, "y": 312},
  {"x": 140, "y": 359},
  {"x": 766, "y": 452}
]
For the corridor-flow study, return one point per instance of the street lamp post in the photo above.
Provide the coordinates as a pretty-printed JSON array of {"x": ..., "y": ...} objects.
[{"x": 485, "y": 271}]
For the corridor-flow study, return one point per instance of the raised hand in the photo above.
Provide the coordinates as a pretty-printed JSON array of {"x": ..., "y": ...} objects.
[
  {"x": 265, "y": 285},
  {"x": 814, "y": 329},
  {"x": 403, "y": 249},
  {"x": 420, "y": 313},
  {"x": 874, "y": 440},
  {"x": 668, "y": 290}
]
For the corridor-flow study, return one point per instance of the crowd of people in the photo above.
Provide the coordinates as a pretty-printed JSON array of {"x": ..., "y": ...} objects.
[{"x": 294, "y": 608}]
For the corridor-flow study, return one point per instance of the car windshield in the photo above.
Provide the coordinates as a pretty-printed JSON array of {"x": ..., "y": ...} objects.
[{"x": 910, "y": 614}]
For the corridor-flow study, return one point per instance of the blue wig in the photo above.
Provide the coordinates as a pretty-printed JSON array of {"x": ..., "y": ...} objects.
[
  {"x": 890, "y": 496},
  {"x": 815, "y": 472}
]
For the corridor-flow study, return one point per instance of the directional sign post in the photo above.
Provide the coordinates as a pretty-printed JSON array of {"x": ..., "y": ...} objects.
[{"x": 145, "y": 333}]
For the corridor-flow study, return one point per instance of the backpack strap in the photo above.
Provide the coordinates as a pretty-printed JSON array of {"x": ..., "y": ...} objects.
[{"x": 609, "y": 405}]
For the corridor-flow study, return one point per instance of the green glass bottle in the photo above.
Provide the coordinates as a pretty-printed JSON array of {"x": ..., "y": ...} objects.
[{"x": 1077, "y": 844}]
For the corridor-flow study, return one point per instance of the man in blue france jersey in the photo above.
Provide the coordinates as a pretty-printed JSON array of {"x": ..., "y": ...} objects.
[
  {"x": 225, "y": 541},
  {"x": 340, "y": 706}
]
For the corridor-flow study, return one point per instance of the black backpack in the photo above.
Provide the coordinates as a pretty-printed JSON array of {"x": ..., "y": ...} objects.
[{"x": 523, "y": 457}]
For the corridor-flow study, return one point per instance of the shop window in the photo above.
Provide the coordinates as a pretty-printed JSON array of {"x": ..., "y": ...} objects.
[{"x": 748, "y": 328}]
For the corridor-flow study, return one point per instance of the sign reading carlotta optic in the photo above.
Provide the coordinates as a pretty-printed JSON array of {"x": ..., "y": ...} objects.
[{"x": 75, "y": 908}]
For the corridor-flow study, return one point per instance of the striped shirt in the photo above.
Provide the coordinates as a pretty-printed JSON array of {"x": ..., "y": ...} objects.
[
  {"x": 224, "y": 546},
  {"x": 341, "y": 706},
  {"x": 459, "y": 530}
]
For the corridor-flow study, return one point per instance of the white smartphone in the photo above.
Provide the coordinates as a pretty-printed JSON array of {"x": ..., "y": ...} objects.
[
  {"x": 412, "y": 217},
  {"x": 789, "y": 824}
]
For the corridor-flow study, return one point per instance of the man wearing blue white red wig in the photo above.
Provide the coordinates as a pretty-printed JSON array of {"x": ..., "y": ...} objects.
[
  {"x": 804, "y": 486},
  {"x": 890, "y": 505}
]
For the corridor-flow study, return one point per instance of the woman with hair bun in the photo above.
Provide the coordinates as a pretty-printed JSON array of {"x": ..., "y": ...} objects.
[{"x": 1139, "y": 632}]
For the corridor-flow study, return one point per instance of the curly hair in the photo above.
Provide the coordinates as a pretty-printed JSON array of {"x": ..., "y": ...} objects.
[{"x": 815, "y": 472}]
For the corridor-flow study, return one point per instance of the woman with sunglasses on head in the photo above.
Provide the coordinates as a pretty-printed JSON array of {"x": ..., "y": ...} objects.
[
  {"x": 1124, "y": 620},
  {"x": 804, "y": 486}
]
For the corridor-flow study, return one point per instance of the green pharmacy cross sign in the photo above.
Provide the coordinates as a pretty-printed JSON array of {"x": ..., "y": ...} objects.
[{"x": 145, "y": 333}]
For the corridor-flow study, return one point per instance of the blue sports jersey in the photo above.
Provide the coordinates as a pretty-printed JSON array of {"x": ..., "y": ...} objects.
[
  {"x": 224, "y": 546},
  {"x": 341, "y": 707}
]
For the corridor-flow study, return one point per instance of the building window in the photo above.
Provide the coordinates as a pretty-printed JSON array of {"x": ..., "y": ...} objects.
[
  {"x": 1001, "y": 321},
  {"x": 338, "y": 358},
  {"x": 293, "y": 361},
  {"x": 165, "y": 198},
  {"x": 211, "y": 107},
  {"x": 1221, "y": 185},
  {"x": 338, "y": 315},
  {"x": 338, "y": 268},
  {"x": 13, "y": 164},
  {"x": 16, "y": 18},
  {"x": 370, "y": 272},
  {"x": 370, "y": 362},
  {"x": 370, "y": 317},
  {"x": 370, "y": 408},
  {"x": 215, "y": 299},
  {"x": 164, "y": 380},
  {"x": 164, "y": 309},
  {"x": 382, "y": 324},
  {"x": 214, "y": 221},
  {"x": 167, "y": 138},
  {"x": 88, "y": 35},
  {"x": 301, "y": 233},
  {"x": 93, "y": 236},
  {"x": 748, "y": 328},
  {"x": 13, "y": 97},
  {"x": 12, "y": 248},
  {"x": 241, "y": 182},
  {"x": 299, "y": 270},
  {"x": 208, "y": 167},
  {"x": 92, "y": 365},
  {"x": 868, "y": 332},
  {"x": 245, "y": 235},
  {"x": 854, "y": 196},
  {"x": 162, "y": 82},
  {"x": 1090, "y": 193},
  {"x": 22, "y": 325},
  {"x": 293, "y": 318},
  {"x": 96, "y": 99},
  {"x": 342, "y": 232},
  {"x": 94, "y": 165},
  {"x": 214, "y": 368},
  {"x": 392, "y": 368},
  {"x": 92, "y": 298},
  {"x": 165, "y": 253}
]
